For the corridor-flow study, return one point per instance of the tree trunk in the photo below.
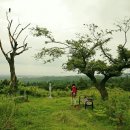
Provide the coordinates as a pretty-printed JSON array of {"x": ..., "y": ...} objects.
[
  {"x": 103, "y": 92},
  {"x": 13, "y": 77},
  {"x": 102, "y": 88},
  {"x": 100, "y": 85}
]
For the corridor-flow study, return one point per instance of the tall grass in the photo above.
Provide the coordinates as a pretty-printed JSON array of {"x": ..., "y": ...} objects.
[
  {"x": 56, "y": 113},
  {"x": 7, "y": 114}
]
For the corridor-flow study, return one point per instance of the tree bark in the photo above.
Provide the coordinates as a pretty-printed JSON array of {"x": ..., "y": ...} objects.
[
  {"x": 100, "y": 85},
  {"x": 102, "y": 88},
  {"x": 13, "y": 77},
  {"x": 103, "y": 92}
]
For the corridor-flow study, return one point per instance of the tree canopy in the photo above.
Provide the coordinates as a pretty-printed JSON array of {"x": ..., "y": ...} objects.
[{"x": 82, "y": 53}]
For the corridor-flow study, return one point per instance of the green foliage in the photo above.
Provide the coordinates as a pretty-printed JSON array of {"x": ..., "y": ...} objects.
[
  {"x": 40, "y": 31},
  {"x": 120, "y": 82},
  {"x": 38, "y": 92},
  {"x": 5, "y": 90},
  {"x": 117, "y": 106},
  {"x": 33, "y": 91},
  {"x": 53, "y": 53},
  {"x": 60, "y": 93},
  {"x": 115, "y": 109},
  {"x": 123, "y": 54},
  {"x": 61, "y": 83},
  {"x": 3, "y": 85},
  {"x": 83, "y": 84}
]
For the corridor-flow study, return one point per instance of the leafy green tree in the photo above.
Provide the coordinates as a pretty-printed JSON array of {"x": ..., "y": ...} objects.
[
  {"x": 15, "y": 49},
  {"x": 82, "y": 53}
]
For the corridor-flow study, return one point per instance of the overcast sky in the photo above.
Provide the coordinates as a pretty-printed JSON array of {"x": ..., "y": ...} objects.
[{"x": 64, "y": 18}]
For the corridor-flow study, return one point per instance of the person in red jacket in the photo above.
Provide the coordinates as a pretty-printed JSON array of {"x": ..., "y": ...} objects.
[
  {"x": 73, "y": 94},
  {"x": 74, "y": 90}
]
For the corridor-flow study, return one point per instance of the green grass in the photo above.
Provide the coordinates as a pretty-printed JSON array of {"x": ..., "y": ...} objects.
[
  {"x": 55, "y": 114},
  {"x": 43, "y": 113}
]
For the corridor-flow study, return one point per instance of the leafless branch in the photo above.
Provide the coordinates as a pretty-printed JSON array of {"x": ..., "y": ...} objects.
[
  {"x": 62, "y": 43},
  {"x": 9, "y": 52},
  {"x": 25, "y": 49},
  {"x": 125, "y": 27},
  {"x": 16, "y": 29},
  {"x": 11, "y": 38},
  {"x": 21, "y": 31},
  {"x": 125, "y": 33},
  {"x": 53, "y": 41},
  {"x": 6, "y": 56},
  {"x": 13, "y": 41},
  {"x": 25, "y": 39},
  {"x": 9, "y": 21},
  {"x": 20, "y": 47},
  {"x": 106, "y": 55}
]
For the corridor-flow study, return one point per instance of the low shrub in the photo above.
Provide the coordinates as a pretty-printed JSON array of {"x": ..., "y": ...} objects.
[
  {"x": 5, "y": 90},
  {"x": 60, "y": 93},
  {"x": 33, "y": 91},
  {"x": 117, "y": 109},
  {"x": 39, "y": 92},
  {"x": 20, "y": 99}
]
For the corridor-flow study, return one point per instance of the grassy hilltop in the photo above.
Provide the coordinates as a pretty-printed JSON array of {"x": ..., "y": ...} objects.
[{"x": 43, "y": 113}]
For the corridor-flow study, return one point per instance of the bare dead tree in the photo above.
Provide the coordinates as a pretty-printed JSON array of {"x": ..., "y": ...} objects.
[{"x": 15, "y": 49}]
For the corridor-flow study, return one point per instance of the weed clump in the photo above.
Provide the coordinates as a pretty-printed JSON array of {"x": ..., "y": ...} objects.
[{"x": 66, "y": 117}]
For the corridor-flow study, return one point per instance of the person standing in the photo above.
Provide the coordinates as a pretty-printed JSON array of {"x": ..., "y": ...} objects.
[{"x": 73, "y": 94}]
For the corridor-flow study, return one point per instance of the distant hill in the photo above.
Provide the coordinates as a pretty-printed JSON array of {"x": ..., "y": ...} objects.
[
  {"x": 44, "y": 78},
  {"x": 31, "y": 78},
  {"x": 2, "y": 77},
  {"x": 50, "y": 78}
]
